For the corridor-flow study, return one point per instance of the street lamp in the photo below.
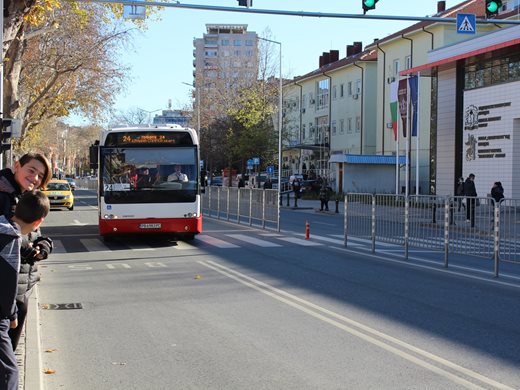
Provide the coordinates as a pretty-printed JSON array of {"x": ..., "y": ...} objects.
[
  {"x": 149, "y": 114},
  {"x": 279, "y": 127},
  {"x": 198, "y": 105}
]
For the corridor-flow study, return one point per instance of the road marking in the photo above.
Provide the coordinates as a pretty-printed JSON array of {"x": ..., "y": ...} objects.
[
  {"x": 299, "y": 241},
  {"x": 254, "y": 241},
  {"x": 58, "y": 247},
  {"x": 215, "y": 242},
  {"x": 383, "y": 340},
  {"x": 94, "y": 245},
  {"x": 138, "y": 246},
  {"x": 75, "y": 222}
]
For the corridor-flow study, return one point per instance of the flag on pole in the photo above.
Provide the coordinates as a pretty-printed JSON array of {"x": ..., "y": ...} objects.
[
  {"x": 393, "y": 107},
  {"x": 413, "y": 82},
  {"x": 402, "y": 96}
]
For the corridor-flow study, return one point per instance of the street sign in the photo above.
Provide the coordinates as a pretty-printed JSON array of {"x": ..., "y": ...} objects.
[
  {"x": 256, "y": 160},
  {"x": 270, "y": 169},
  {"x": 466, "y": 24},
  {"x": 134, "y": 12}
]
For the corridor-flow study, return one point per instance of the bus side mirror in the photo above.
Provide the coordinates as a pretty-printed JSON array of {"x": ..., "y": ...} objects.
[{"x": 93, "y": 154}]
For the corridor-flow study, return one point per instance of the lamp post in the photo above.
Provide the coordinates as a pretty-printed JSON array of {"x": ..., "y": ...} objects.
[
  {"x": 198, "y": 105},
  {"x": 149, "y": 114},
  {"x": 279, "y": 126}
]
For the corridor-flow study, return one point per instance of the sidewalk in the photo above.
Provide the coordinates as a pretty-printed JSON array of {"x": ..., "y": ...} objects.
[
  {"x": 28, "y": 352},
  {"x": 312, "y": 205}
]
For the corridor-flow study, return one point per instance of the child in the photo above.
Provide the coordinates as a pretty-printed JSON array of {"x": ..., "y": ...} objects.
[{"x": 29, "y": 213}]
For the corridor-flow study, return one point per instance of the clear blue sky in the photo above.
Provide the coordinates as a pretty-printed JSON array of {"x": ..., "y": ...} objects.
[{"x": 162, "y": 56}]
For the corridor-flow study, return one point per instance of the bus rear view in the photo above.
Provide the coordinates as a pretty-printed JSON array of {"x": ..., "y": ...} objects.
[{"x": 149, "y": 181}]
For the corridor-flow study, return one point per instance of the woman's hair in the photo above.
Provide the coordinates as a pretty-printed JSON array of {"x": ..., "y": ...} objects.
[{"x": 47, "y": 176}]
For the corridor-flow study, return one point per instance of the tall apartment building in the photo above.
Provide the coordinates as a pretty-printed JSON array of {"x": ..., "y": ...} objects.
[{"x": 225, "y": 57}]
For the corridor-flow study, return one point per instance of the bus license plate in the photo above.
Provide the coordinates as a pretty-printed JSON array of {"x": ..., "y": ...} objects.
[{"x": 150, "y": 226}]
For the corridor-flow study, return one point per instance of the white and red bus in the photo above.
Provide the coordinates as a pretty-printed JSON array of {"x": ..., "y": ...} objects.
[{"x": 149, "y": 181}]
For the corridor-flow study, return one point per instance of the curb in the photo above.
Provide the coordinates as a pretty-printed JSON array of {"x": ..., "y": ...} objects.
[{"x": 33, "y": 363}]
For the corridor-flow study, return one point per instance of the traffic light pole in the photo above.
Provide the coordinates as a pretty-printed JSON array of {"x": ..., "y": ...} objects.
[{"x": 295, "y": 13}]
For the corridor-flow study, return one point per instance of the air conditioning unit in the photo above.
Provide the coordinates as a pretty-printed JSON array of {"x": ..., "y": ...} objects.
[
  {"x": 312, "y": 101},
  {"x": 355, "y": 96},
  {"x": 390, "y": 80},
  {"x": 303, "y": 110}
]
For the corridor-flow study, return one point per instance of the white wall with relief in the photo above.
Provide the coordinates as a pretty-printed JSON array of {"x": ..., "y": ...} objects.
[{"x": 490, "y": 132}]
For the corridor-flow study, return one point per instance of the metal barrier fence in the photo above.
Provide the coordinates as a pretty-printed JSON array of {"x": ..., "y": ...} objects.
[
  {"x": 475, "y": 226},
  {"x": 252, "y": 206}
]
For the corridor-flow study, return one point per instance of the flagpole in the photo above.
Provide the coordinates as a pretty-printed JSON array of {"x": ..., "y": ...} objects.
[{"x": 417, "y": 135}]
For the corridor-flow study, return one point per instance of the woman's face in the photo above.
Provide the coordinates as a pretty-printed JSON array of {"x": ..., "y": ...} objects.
[{"x": 30, "y": 175}]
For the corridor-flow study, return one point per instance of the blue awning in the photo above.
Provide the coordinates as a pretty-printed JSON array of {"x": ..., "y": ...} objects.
[{"x": 366, "y": 159}]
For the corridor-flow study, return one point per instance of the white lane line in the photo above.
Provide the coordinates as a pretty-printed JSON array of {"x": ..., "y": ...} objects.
[
  {"x": 215, "y": 242},
  {"x": 383, "y": 340},
  {"x": 94, "y": 245},
  {"x": 299, "y": 241},
  {"x": 183, "y": 245},
  {"x": 253, "y": 240},
  {"x": 76, "y": 222}
]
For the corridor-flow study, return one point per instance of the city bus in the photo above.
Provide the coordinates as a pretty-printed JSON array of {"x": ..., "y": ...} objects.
[{"x": 148, "y": 181}]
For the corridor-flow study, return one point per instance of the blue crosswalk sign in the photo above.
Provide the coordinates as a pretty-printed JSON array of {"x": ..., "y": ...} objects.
[{"x": 466, "y": 24}]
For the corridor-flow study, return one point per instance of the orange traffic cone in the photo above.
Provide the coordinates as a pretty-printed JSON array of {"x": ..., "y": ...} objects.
[{"x": 307, "y": 230}]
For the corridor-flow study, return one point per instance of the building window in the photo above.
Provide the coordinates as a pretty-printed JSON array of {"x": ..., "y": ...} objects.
[
  {"x": 210, "y": 53},
  {"x": 342, "y": 126},
  {"x": 408, "y": 62},
  {"x": 396, "y": 68},
  {"x": 349, "y": 125},
  {"x": 322, "y": 94},
  {"x": 249, "y": 42},
  {"x": 224, "y": 42},
  {"x": 334, "y": 92},
  {"x": 303, "y": 132},
  {"x": 333, "y": 128},
  {"x": 358, "y": 124},
  {"x": 237, "y": 53},
  {"x": 358, "y": 87},
  {"x": 349, "y": 88},
  {"x": 341, "y": 90},
  {"x": 237, "y": 42}
]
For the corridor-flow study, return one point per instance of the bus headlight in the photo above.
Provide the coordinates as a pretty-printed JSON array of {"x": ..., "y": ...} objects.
[{"x": 109, "y": 216}]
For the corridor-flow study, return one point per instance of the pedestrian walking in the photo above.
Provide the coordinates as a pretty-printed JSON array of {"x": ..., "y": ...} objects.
[
  {"x": 325, "y": 197},
  {"x": 471, "y": 198},
  {"x": 497, "y": 193},
  {"x": 29, "y": 213}
]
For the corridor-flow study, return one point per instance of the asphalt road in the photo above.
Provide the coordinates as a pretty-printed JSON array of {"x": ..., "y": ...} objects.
[{"x": 244, "y": 308}]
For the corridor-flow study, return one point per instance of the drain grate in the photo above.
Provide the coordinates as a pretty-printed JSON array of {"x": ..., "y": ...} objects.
[{"x": 61, "y": 306}]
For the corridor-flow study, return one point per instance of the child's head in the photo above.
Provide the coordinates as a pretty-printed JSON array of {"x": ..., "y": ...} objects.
[
  {"x": 32, "y": 171},
  {"x": 30, "y": 210}
]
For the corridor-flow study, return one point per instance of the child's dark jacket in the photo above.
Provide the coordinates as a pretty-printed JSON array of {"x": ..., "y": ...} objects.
[{"x": 9, "y": 267}]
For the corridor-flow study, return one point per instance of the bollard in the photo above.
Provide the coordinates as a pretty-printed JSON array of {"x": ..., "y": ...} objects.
[
  {"x": 337, "y": 207},
  {"x": 307, "y": 230}
]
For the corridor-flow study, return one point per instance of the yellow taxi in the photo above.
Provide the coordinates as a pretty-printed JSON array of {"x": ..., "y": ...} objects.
[{"x": 60, "y": 194}]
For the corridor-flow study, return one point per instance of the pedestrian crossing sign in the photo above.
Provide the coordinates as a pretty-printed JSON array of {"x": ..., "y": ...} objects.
[{"x": 466, "y": 24}]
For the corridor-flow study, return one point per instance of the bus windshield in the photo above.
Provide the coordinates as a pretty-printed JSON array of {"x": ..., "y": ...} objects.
[{"x": 149, "y": 175}]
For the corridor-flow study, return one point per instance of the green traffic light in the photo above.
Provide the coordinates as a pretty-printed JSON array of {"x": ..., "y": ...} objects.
[
  {"x": 369, "y": 3},
  {"x": 492, "y": 6}
]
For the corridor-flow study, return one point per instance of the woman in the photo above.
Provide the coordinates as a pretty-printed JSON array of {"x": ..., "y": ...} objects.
[{"x": 32, "y": 171}]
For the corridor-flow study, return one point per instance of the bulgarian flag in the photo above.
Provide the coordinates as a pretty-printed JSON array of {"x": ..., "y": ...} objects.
[{"x": 393, "y": 106}]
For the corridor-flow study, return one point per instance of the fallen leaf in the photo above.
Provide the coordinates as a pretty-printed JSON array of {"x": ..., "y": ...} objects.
[
  {"x": 49, "y": 371},
  {"x": 45, "y": 306},
  {"x": 197, "y": 277},
  {"x": 51, "y": 350},
  {"x": 119, "y": 363}
]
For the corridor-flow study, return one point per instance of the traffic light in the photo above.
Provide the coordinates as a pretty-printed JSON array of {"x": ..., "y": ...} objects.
[
  {"x": 245, "y": 3},
  {"x": 368, "y": 5},
  {"x": 5, "y": 135},
  {"x": 492, "y": 7}
]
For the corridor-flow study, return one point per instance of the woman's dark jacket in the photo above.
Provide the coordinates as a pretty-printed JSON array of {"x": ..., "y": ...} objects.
[{"x": 10, "y": 192}]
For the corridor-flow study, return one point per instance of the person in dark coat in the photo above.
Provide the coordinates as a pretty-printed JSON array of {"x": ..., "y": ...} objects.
[
  {"x": 31, "y": 172},
  {"x": 471, "y": 193},
  {"x": 268, "y": 184},
  {"x": 497, "y": 193},
  {"x": 28, "y": 215},
  {"x": 325, "y": 197}
]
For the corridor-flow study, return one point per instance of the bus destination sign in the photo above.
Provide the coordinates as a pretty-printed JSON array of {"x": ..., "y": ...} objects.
[{"x": 148, "y": 138}]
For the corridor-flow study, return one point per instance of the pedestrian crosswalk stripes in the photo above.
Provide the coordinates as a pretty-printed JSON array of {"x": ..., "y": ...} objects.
[
  {"x": 224, "y": 241},
  {"x": 254, "y": 241}
]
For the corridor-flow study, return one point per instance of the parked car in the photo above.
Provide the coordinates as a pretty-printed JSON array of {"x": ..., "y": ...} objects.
[
  {"x": 310, "y": 186},
  {"x": 216, "y": 181},
  {"x": 60, "y": 194}
]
